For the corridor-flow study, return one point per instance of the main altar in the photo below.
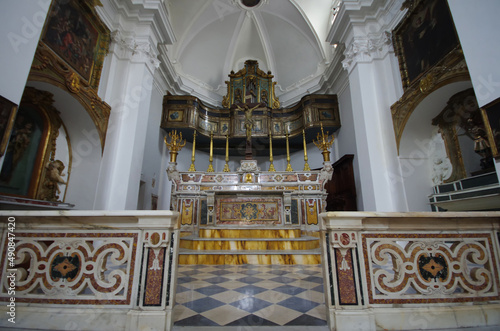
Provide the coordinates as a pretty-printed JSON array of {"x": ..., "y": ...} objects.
[{"x": 249, "y": 208}]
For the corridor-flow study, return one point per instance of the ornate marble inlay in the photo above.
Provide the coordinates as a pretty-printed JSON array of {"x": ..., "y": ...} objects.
[
  {"x": 74, "y": 268},
  {"x": 250, "y": 210},
  {"x": 416, "y": 268}
]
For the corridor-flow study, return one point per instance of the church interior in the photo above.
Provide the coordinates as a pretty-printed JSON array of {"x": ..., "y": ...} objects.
[{"x": 250, "y": 165}]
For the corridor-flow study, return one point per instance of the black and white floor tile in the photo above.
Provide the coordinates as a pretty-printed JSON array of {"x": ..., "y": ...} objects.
[{"x": 250, "y": 295}]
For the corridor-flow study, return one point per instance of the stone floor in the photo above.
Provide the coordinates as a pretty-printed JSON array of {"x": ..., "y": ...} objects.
[{"x": 250, "y": 296}]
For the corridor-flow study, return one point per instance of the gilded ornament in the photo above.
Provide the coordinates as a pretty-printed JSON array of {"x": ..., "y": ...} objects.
[
  {"x": 427, "y": 83},
  {"x": 175, "y": 145},
  {"x": 324, "y": 142},
  {"x": 73, "y": 83}
]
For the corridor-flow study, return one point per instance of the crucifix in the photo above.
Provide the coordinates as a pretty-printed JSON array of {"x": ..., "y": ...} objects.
[{"x": 249, "y": 124}]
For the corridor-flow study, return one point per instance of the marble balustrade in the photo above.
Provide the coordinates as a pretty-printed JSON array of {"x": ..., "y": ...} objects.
[
  {"x": 406, "y": 271},
  {"x": 89, "y": 270}
]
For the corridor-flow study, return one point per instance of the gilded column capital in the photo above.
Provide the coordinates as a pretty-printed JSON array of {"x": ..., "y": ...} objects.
[{"x": 365, "y": 50}]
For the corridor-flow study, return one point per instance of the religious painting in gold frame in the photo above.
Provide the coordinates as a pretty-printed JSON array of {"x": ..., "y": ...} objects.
[
  {"x": 75, "y": 35},
  {"x": 423, "y": 38},
  {"x": 491, "y": 117},
  {"x": 8, "y": 111},
  {"x": 30, "y": 146}
]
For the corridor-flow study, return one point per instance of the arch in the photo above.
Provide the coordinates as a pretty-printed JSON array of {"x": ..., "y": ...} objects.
[
  {"x": 422, "y": 151},
  {"x": 452, "y": 70},
  {"x": 85, "y": 147}
]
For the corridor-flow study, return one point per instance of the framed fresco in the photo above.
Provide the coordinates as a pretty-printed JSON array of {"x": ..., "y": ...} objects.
[
  {"x": 8, "y": 111},
  {"x": 76, "y": 36},
  {"x": 491, "y": 117},
  {"x": 423, "y": 38}
]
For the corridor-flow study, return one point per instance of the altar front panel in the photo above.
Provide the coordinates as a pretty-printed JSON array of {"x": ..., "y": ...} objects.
[
  {"x": 249, "y": 210},
  {"x": 269, "y": 199}
]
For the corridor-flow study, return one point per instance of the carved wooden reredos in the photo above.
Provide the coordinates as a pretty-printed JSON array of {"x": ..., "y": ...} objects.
[{"x": 250, "y": 87}]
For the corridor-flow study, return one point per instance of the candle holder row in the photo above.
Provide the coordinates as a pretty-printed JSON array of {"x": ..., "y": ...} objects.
[{"x": 176, "y": 143}]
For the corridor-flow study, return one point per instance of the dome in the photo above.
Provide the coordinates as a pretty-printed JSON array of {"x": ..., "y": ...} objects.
[{"x": 216, "y": 37}]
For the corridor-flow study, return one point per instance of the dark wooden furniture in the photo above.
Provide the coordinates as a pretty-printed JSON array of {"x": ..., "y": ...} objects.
[{"x": 341, "y": 188}]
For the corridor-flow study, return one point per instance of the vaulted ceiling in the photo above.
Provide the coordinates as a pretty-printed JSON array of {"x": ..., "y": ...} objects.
[{"x": 286, "y": 37}]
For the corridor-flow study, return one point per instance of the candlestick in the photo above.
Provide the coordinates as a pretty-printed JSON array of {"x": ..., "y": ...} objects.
[
  {"x": 175, "y": 144},
  {"x": 192, "y": 168},
  {"x": 211, "y": 158},
  {"x": 288, "y": 166},
  {"x": 271, "y": 166},
  {"x": 306, "y": 165},
  {"x": 226, "y": 166},
  {"x": 324, "y": 143}
]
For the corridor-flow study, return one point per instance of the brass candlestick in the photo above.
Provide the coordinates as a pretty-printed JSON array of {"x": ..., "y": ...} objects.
[
  {"x": 175, "y": 144},
  {"x": 288, "y": 166},
  {"x": 192, "y": 168},
  {"x": 271, "y": 166},
  {"x": 211, "y": 158},
  {"x": 306, "y": 165},
  {"x": 324, "y": 143},
  {"x": 226, "y": 166}
]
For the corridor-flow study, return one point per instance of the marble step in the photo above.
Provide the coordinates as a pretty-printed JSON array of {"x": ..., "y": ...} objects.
[
  {"x": 197, "y": 243},
  {"x": 312, "y": 256},
  {"x": 249, "y": 233}
]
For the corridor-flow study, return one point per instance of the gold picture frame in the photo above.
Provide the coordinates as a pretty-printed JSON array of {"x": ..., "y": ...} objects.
[
  {"x": 423, "y": 38},
  {"x": 491, "y": 118},
  {"x": 75, "y": 34},
  {"x": 8, "y": 111}
]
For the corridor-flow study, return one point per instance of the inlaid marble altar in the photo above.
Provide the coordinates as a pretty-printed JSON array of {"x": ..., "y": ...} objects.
[{"x": 276, "y": 199}]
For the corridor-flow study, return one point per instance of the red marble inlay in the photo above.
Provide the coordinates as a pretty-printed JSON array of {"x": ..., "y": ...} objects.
[
  {"x": 345, "y": 277},
  {"x": 154, "y": 278}
]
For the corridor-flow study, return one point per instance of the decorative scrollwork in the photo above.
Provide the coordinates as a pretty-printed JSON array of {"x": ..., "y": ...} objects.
[
  {"x": 69, "y": 268},
  {"x": 442, "y": 268}
]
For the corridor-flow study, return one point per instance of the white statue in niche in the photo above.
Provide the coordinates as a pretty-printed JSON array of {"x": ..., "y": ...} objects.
[{"x": 441, "y": 164}]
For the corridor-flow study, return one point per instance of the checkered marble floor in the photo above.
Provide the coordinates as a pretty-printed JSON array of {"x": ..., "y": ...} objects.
[{"x": 249, "y": 295}]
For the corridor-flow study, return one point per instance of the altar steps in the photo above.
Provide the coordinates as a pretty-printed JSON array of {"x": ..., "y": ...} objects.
[{"x": 249, "y": 246}]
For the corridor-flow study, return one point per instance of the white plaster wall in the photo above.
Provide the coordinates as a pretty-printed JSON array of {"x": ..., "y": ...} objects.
[
  {"x": 151, "y": 164},
  {"x": 477, "y": 25},
  {"x": 345, "y": 142},
  {"x": 21, "y": 23}
]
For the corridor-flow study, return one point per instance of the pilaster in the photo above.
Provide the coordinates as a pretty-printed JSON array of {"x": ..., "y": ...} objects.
[
  {"x": 131, "y": 65},
  {"x": 364, "y": 28}
]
